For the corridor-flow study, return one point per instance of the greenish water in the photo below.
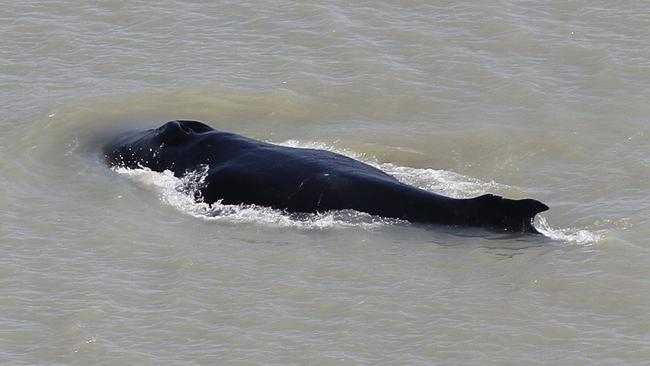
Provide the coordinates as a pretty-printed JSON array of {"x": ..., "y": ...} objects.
[{"x": 538, "y": 100}]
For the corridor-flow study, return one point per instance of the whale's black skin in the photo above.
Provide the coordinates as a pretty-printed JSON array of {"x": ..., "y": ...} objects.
[{"x": 243, "y": 170}]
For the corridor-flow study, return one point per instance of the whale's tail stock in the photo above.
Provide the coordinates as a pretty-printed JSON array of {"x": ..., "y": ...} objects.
[{"x": 507, "y": 214}]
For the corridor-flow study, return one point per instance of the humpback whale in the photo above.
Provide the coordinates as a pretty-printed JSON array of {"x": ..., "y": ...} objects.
[{"x": 242, "y": 170}]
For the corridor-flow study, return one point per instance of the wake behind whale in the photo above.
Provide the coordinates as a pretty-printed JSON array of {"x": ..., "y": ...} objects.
[{"x": 240, "y": 170}]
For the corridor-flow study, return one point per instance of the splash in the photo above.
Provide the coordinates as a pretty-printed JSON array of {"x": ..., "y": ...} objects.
[
  {"x": 439, "y": 181},
  {"x": 184, "y": 194},
  {"x": 569, "y": 235}
]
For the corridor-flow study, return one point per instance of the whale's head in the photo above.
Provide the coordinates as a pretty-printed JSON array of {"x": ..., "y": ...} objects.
[{"x": 158, "y": 148}]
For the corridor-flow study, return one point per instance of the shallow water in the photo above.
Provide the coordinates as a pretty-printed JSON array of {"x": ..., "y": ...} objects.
[{"x": 537, "y": 100}]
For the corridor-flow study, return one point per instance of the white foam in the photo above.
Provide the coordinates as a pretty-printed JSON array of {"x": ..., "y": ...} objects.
[
  {"x": 182, "y": 193},
  {"x": 439, "y": 181},
  {"x": 569, "y": 235}
]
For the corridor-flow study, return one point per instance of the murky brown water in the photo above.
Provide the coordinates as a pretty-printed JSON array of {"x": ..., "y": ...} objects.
[{"x": 548, "y": 101}]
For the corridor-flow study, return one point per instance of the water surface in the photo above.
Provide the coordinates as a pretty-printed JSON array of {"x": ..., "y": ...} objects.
[{"x": 548, "y": 101}]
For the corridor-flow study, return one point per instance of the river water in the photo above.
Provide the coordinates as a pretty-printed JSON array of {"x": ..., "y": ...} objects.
[{"x": 547, "y": 100}]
